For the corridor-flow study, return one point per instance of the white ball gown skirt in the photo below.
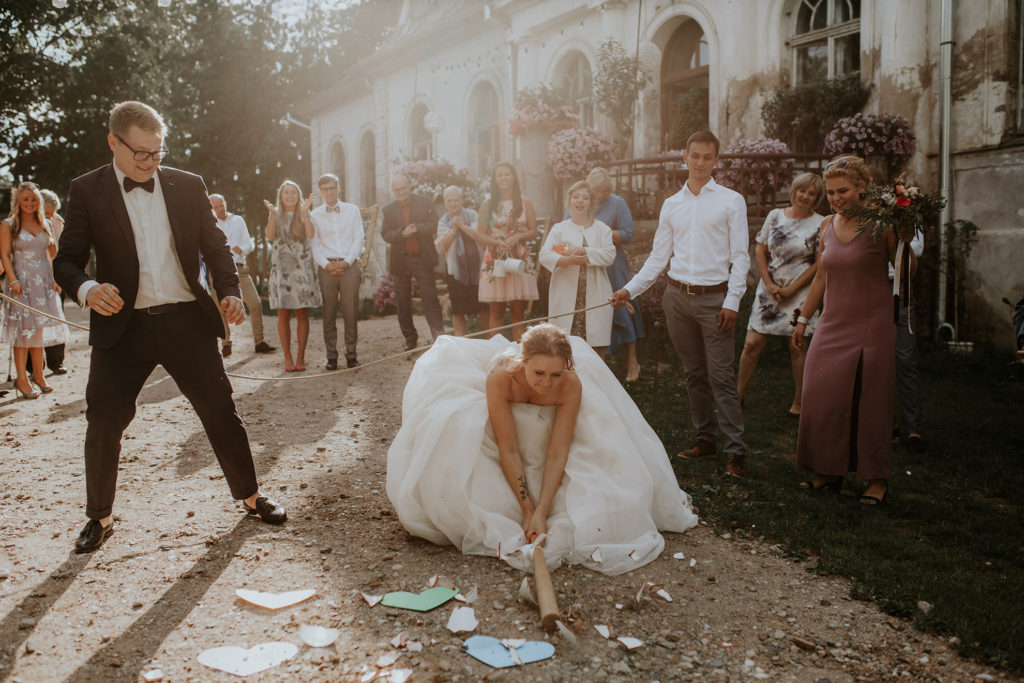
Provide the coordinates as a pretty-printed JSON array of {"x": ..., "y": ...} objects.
[{"x": 445, "y": 480}]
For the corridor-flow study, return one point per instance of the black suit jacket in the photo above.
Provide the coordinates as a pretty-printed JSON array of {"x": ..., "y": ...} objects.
[
  {"x": 97, "y": 219},
  {"x": 421, "y": 212}
]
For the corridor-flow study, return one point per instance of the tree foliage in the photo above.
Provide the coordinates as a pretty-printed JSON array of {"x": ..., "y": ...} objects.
[
  {"x": 618, "y": 83},
  {"x": 803, "y": 115},
  {"x": 223, "y": 74}
]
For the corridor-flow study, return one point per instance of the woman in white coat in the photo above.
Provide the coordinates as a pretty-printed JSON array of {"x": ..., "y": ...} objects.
[{"x": 578, "y": 252}]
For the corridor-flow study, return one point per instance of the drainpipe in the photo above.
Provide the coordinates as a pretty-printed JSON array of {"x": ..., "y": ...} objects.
[{"x": 945, "y": 173}]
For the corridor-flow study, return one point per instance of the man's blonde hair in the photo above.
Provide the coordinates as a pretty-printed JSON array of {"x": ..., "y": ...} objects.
[{"x": 124, "y": 115}]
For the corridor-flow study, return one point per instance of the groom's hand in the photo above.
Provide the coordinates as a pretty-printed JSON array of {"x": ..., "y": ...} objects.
[
  {"x": 233, "y": 309},
  {"x": 104, "y": 299}
]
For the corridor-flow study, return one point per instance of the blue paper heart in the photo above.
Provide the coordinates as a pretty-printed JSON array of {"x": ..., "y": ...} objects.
[{"x": 491, "y": 652}]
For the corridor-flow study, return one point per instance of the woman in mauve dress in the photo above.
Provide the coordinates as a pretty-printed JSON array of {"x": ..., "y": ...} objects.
[{"x": 849, "y": 375}]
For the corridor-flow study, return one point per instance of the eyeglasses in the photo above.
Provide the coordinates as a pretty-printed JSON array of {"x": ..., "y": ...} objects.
[{"x": 139, "y": 155}]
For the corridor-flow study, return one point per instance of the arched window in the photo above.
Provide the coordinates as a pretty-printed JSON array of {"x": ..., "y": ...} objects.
[
  {"x": 422, "y": 141},
  {"x": 337, "y": 167},
  {"x": 576, "y": 82},
  {"x": 368, "y": 169},
  {"x": 684, "y": 84},
  {"x": 826, "y": 41},
  {"x": 484, "y": 128}
]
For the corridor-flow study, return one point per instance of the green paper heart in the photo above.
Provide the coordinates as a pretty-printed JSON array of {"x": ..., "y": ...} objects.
[{"x": 422, "y": 602}]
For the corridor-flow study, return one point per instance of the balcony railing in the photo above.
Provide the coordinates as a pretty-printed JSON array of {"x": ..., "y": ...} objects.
[{"x": 646, "y": 183}]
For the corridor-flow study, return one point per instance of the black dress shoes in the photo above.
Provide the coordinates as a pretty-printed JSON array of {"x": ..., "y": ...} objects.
[
  {"x": 93, "y": 536},
  {"x": 353, "y": 363},
  {"x": 225, "y": 350},
  {"x": 60, "y": 370},
  {"x": 267, "y": 509},
  {"x": 332, "y": 364},
  {"x": 264, "y": 347}
]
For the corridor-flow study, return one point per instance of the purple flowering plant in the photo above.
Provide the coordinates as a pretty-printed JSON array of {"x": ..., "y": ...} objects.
[
  {"x": 384, "y": 297},
  {"x": 541, "y": 107},
  {"x": 749, "y": 175},
  {"x": 573, "y": 152},
  {"x": 874, "y": 135},
  {"x": 429, "y": 177}
]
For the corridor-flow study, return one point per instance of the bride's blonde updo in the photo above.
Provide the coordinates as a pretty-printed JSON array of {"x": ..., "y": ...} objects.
[
  {"x": 546, "y": 340},
  {"x": 851, "y": 166}
]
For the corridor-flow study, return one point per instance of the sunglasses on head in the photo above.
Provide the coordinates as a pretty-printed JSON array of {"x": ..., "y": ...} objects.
[{"x": 838, "y": 165}]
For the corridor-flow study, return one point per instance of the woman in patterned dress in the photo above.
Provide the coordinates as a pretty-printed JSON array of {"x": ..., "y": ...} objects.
[
  {"x": 506, "y": 226},
  {"x": 27, "y": 249},
  {"x": 786, "y": 248},
  {"x": 293, "y": 280}
]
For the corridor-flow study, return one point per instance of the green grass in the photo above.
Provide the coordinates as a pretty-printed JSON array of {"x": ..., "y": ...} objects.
[{"x": 952, "y": 531}]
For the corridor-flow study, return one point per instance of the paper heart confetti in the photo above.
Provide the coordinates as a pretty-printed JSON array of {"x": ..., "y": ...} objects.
[
  {"x": 679, "y": 556},
  {"x": 371, "y": 600},
  {"x": 468, "y": 598},
  {"x": 241, "y": 662},
  {"x": 420, "y": 602},
  {"x": 630, "y": 643},
  {"x": 274, "y": 600},
  {"x": 603, "y": 630},
  {"x": 492, "y": 652},
  {"x": 318, "y": 636},
  {"x": 462, "y": 620}
]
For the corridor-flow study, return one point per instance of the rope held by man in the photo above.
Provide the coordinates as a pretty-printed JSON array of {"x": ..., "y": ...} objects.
[{"x": 342, "y": 371}]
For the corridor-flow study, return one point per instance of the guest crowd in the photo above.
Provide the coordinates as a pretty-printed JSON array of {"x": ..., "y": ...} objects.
[{"x": 843, "y": 383}]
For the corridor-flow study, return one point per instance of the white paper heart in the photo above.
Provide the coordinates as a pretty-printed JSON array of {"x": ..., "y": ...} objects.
[
  {"x": 318, "y": 636},
  {"x": 274, "y": 600},
  {"x": 462, "y": 620},
  {"x": 241, "y": 662}
]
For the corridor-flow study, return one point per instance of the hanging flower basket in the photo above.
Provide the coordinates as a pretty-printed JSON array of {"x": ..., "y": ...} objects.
[
  {"x": 541, "y": 108},
  {"x": 886, "y": 137},
  {"x": 750, "y": 175},
  {"x": 573, "y": 152}
]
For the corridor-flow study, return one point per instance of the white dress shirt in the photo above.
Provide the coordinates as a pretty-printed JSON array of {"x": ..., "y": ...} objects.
[
  {"x": 238, "y": 235},
  {"x": 161, "y": 278},
  {"x": 703, "y": 240},
  {"x": 337, "y": 234}
]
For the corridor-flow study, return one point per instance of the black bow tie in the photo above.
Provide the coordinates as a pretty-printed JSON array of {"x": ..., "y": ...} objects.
[
  {"x": 130, "y": 184},
  {"x": 334, "y": 209}
]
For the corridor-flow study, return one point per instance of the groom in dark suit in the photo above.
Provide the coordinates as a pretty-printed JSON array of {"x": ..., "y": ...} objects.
[{"x": 150, "y": 227}]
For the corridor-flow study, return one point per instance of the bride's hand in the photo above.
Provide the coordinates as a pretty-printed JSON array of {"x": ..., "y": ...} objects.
[{"x": 534, "y": 525}]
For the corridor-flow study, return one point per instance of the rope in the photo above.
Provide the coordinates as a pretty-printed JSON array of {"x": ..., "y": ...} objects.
[{"x": 343, "y": 371}]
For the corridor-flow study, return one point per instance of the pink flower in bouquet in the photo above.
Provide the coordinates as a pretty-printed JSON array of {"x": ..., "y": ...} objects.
[{"x": 900, "y": 190}]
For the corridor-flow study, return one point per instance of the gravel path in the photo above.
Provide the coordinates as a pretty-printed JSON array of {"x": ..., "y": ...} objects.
[{"x": 161, "y": 591}]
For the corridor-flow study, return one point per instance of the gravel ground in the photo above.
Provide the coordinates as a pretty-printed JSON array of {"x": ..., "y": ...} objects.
[{"x": 161, "y": 590}]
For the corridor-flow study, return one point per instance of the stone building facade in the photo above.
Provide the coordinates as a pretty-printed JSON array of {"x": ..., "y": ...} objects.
[{"x": 462, "y": 61}]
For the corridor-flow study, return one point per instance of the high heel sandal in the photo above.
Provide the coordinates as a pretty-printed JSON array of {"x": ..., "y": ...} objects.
[
  {"x": 833, "y": 486},
  {"x": 26, "y": 395},
  {"x": 866, "y": 499},
  {"x": 42, "y": 389}
]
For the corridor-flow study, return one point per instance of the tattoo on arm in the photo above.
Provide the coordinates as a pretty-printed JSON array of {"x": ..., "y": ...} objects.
[{"x": 522, "y": 487}]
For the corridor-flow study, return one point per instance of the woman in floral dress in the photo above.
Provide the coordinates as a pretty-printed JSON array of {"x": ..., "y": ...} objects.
[
  {"x": 27, "y": 249},
  {"x": 786, "y": 248},
  {"x": 293, "y": 281},
  {"x": 506, "y": 226}
]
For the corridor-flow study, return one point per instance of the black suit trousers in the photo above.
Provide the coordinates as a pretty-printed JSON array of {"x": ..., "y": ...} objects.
[{"x": 181, "y": 342}]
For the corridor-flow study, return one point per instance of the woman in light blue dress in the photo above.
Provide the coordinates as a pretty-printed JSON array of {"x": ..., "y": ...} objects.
[{"x": 613, "y": 211}]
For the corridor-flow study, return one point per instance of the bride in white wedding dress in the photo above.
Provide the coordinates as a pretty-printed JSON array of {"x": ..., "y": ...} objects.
[{"x": 501, "y": 443}]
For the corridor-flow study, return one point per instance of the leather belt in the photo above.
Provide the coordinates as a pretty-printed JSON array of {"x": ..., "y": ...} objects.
[
  {"x": 165, "y": 308},
  {"x": 699, "y": 289}
]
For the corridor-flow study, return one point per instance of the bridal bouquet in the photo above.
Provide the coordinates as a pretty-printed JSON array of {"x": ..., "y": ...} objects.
[{"x": 899, "y": 207}]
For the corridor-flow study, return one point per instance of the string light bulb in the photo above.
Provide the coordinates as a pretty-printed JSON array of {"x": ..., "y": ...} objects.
[{"x": 164, "y": 3}]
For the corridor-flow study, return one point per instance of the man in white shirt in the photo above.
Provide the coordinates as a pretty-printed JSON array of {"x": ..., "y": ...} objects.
[
  {"x": 241, "y": 244},
  {"x": 337, "y": 243},
  {"x": 702, "y": 237},
  {"x": 150, "y": 227}
]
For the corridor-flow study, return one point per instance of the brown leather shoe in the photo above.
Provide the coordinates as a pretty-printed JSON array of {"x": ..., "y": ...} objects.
[
  {"x": 701, "y": 449},
  {"x": 735, "y": 466}
]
